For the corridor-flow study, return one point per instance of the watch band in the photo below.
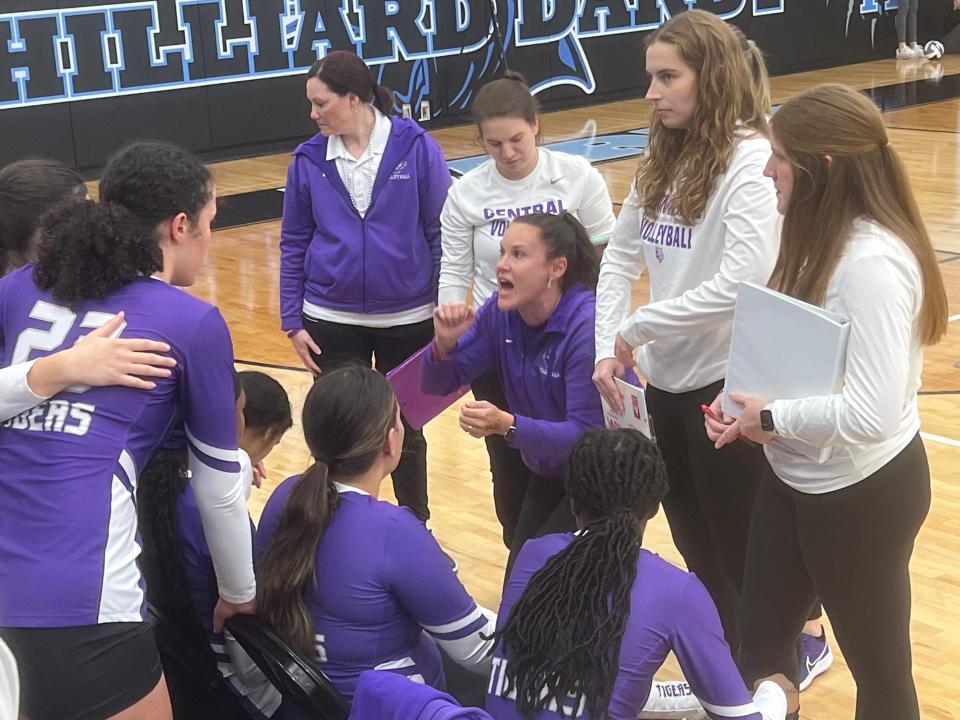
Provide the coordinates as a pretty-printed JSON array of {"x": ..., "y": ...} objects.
[{"x": 766, "y": 421}]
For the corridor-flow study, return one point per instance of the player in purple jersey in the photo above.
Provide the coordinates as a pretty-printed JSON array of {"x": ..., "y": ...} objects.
[
  {"x": 536, "y": 331},
  {"x": 101, "y": 359},
  {"x": 71, "y": 593},
  {"x": 176, "y": 557},
  {"x": 356, "y": 582},
  {"x": 587, "y": 618},
  {"x": 28, "y": 189}
]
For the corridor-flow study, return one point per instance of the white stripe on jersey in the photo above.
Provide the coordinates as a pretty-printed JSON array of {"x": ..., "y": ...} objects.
[
  {"x": 129, "y": 467},
  {"x": 214, "y": 452},
  {"x": 121, "y": 596},
  {"x": 396, "y": 664},
  {"x": 456, "y": 624}
]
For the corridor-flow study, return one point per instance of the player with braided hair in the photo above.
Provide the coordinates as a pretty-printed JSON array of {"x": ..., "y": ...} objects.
[{"x": 588, "y": 617}]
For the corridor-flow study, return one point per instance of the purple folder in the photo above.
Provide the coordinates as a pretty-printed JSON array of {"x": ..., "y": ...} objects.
[{"x": 419, "y": 408}]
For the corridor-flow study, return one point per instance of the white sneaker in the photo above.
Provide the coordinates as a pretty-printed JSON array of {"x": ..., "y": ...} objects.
[{"x": 909, "y": 53}]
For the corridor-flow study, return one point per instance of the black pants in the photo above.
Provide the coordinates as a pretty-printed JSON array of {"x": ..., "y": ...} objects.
[
  {"x": 711, "y": 496},
  {"x": 545, "y": 510},
  {"x": 853, "y": 548},
  {"x": 342, "y": 344},
  {"x": 510, "y": 475}
]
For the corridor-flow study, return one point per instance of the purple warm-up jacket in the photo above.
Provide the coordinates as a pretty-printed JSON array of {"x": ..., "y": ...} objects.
[
  {"x": 547, "y": 374},
  {"x": 386, "y": 261}
]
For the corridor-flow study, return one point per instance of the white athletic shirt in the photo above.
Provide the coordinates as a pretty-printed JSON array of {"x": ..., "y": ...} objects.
[
  {"x": 358, "y": 176},
  {"x": 15, "y": 393},
  {"x": 481, "y": 204},
  {"x": 682, "y": 335},
  {"x": 878, "y": 287}
]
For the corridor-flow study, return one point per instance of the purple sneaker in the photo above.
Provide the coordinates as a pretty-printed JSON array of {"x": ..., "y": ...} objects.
[{"x": 815, "y": 657}]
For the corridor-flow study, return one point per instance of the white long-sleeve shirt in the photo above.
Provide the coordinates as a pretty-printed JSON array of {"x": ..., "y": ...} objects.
[
  {"x": 878, "y": 287},
  {"x": 682, "y": 335},
  {"x": 481, "y": 204},
  {"x": 15, "y": 393}
]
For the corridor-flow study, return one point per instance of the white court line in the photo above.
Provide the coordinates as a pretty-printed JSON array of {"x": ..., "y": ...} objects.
[
  {"x": 930, "y": 437},
  {"x": 953, "y": 317}
]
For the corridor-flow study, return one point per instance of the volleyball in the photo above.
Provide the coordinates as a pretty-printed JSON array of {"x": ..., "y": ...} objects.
[{"x": 933, "y": 50}]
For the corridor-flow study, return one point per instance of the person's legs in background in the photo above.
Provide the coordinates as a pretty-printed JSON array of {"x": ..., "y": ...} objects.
[
  {"x": 509, "y": 473},
  {"x": 391, "y": 346}
]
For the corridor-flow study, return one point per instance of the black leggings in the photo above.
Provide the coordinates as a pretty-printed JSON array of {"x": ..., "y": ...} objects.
[
  {"x": 545, "y": 510},
  {"x": 342, "y": 344},
  {"x": 906, "y": 21},
  {"x": 509, "y": 473},
  {"x": 711, "y": 496},
  {"x": 527, "y": 505},
  {"x": 852, "y": 547}
]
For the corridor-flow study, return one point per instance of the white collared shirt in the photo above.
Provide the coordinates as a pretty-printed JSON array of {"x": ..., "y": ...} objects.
[{"x": 359, "y": 174}]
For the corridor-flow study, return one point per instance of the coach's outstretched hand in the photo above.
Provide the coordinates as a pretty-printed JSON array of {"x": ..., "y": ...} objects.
[{"x": 450, "y": 321}]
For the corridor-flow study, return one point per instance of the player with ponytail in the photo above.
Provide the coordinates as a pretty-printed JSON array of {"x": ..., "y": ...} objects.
[{"x": 356, "y": 582}]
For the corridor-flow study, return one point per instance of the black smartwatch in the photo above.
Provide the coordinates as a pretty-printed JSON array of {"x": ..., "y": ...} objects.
[
  {"x": 511, "y": 431},
  {"x": 766, "y": 421}
]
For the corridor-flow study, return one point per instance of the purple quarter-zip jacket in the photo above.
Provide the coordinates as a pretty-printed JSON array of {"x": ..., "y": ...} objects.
[
  {"x": 386, "y": 261},
  {"x": 546, "y": 372}
]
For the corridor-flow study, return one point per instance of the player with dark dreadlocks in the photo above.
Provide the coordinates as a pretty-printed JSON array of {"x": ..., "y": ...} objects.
[{"x": 588, "y": 617}]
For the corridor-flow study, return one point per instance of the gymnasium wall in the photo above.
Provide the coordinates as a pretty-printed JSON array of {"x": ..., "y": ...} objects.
[{"x": 78, "y": 78}]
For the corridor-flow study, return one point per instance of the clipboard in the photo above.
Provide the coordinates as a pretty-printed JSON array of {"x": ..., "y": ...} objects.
[{"x": 417, "y": 407}]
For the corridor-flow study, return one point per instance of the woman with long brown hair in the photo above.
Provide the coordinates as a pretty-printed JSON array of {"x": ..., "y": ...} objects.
[
  {"x": 853, "y": 242},
  {"x": 700, "y": 218},
  {"x": 358, "y": 583}
]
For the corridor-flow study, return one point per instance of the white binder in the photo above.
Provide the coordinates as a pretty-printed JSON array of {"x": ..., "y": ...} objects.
[{"x": 784, "y": 349}]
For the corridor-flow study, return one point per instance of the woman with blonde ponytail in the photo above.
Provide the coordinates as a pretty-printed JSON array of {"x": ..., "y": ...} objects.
[
  {"x": 355, "y": 582},
  {"x": 701, "y": 218},
  {"x": 854, "y": 243}
]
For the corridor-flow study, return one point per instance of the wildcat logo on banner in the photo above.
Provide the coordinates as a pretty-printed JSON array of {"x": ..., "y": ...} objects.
[{"x": 111, "y": 49}]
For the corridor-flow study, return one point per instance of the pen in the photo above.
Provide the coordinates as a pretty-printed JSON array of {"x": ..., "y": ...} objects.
[{"x": 710, "y": 414}]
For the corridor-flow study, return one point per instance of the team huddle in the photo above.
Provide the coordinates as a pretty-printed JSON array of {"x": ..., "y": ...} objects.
[{"x": 129, "y": 443}]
